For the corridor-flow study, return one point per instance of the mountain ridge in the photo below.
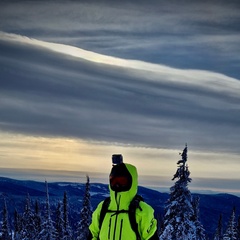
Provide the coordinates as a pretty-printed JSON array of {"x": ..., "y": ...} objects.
[{"x": 15, "y": 192}]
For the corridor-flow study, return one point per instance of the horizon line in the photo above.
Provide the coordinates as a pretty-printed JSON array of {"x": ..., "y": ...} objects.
[{"x": 158, "y": 183}]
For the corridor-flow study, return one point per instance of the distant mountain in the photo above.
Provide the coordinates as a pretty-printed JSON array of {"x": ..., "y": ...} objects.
[{"x": 15, "y": 192}]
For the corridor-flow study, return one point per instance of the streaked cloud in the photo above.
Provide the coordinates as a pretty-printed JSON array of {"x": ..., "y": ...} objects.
[
  {"x": 182, "y": 36},
  {"x": 68, "y": 91}
]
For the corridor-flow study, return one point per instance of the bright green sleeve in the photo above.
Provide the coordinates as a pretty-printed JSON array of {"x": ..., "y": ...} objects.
[
  {"x": 94, "y": 226},
  {"x": 147, "y": 224}
]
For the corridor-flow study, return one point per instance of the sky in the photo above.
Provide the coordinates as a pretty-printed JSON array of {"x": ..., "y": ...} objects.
[{"x": 82, "y": 80}]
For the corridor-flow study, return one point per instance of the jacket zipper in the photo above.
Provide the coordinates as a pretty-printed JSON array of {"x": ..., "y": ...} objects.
[
  {"x": 120, "y": 235},
  {"x": 109, "y": 228},
  {"x": 115, "y": 226}
]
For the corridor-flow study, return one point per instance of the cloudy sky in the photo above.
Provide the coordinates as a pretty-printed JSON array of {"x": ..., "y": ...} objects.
[{"x": 82, "y": 80}]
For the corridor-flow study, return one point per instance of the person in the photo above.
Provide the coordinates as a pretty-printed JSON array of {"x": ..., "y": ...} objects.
[{"x": 123, "y": 187}]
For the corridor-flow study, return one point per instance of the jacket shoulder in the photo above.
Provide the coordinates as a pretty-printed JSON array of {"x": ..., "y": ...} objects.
[
  {"x": 145, "y": 206},
  {"x": 145, "y": 211}
]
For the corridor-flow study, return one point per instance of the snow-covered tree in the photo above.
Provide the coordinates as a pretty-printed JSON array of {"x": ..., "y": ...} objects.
[
  {"x": 5, "y": 233},
  {"x": 28, "y": 230},
  {"x": 231, "y": 231},
  {"x": 167, "y": 233},
  {"x": 200, "y": 231},
  {"x": 85, "y": 214},
  {"x": 37, "y": 218},
  {"x": 179, "y": 221},
  {"x": 67, "y": 232},
  {"x": 219, "y": 231},
  {"x": 59, "y": 222},
  {"x": 48, "y": 230},
  {"x": 17, "y": 225}
]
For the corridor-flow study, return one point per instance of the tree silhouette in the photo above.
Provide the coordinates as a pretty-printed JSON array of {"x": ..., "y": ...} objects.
[
  {"x": 37, "y": 219},
  {"x": 85, "y": 214},
  {"x": 48, "y": 230},
  {"x": 231, "y": 231},
  {"x": 179, "y": 218},
  {"x": 219, "y": 231},
  {"x": 200, "y": 231},
  {"x": 5, "y": 225},
  {"x": 28, "y": 230},
  {"x": 59, "y": 222},
  {"x": 67, "y": 232}
]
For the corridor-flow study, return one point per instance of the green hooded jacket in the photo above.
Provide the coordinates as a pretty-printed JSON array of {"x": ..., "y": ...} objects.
[{"x": 117, "y": 226}]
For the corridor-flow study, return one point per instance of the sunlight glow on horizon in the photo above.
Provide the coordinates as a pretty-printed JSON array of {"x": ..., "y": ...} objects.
[
  {"x": 70, "y": 160},
  {"x": 51, "y": 153}
]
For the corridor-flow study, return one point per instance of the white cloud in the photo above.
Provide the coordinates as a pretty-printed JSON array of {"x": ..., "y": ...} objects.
[
  {"x": 73, "y": 92},
  {"x": 192, "y": 77}
]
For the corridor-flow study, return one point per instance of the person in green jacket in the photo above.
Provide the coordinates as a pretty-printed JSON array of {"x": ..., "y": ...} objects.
[{"x": 123, "y": 186}]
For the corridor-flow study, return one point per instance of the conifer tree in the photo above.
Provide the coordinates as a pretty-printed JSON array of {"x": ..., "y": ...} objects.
[
  {"x": 5, "y": 224},
  {"x": 48, "y": 231},
  {"x": 231, "y": 231},
  {"x": 179, "y": 213},
  {"x": 59, "y": 222},
  {"x": 200, "y": 231},
  {"x": 17, "y": 225},
  {"x": 67, "y": 232},
  {"x": 85, "y": 214},
  {"x": 219, "y": 231},
  {"x": 37, "y": 218},
  {"x": 28, "y": 230}
]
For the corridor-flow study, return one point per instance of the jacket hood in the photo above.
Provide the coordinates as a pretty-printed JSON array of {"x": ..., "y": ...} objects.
[{"x": 121, "y": 200}]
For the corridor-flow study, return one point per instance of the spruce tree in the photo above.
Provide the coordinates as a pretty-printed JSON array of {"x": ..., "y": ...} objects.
[
  {"x": 28, "y": 230},
  {"x": 179, "y": 213},
  {"x": 5, "y": 224},
  {"x": 219, "y": 231},
  {"x": 59, "y": 222},
  {"x": 200, "y": 231},
  {"x": 47, "y": 229},
  {"x": 85, "y": 214},
  {"x": 17, "y": 225},
  {"x": 37, "y": 219},
  {"x": 231, "y": 231},
  {"x": 67, "y": 232}
]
